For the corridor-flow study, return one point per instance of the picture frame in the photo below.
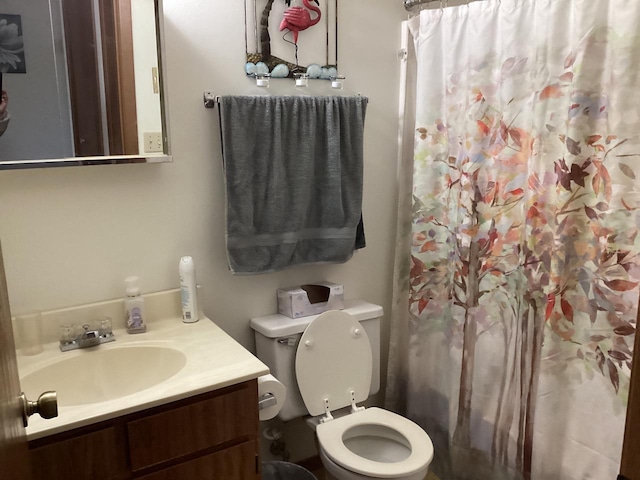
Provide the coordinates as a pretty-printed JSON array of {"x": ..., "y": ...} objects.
[
  {"x": 12, "y": 58},
  {"x": 275, "y": 49}
]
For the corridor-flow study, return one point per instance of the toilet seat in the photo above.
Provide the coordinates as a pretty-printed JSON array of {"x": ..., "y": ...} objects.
[
  {"x": 331, "y": 436},
  {"x": 333, "y": 363}
]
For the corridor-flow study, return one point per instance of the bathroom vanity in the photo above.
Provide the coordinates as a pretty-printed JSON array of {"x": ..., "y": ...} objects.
[
  {"x": 199, "y": 423},
  {"x": 212, "y": 435}
]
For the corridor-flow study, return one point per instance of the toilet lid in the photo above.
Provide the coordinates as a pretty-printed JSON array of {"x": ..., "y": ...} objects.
[
  {"x": 333, "y": 358},
  {"x": 331, "y": 437}
]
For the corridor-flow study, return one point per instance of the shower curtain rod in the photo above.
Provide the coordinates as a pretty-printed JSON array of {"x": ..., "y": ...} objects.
[{"x": 410, "y": 4}]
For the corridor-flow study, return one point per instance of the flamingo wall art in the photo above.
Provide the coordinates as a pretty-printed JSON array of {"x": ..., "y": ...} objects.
[
  {"x": 296, "y": 19},
  {"x": 290, "y": 36}
]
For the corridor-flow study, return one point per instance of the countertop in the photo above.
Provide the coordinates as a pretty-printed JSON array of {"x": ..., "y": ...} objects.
[{"x": 213, "y": 360}]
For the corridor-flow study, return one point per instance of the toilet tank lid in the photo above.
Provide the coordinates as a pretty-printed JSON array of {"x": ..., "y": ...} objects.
[{"x": 277, "y": 325}]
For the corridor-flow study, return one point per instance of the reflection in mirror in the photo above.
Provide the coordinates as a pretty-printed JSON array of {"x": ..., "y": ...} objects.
[
  {"x": 91, "y": 83},
  {"x": 289, "y": 37}
]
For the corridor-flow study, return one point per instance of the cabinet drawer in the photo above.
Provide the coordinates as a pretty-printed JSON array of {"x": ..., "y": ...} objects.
[
  {"x": 94, "y": 456},
  {"x": 182, "y": 431},
  {"x": 235, "y": 463}
]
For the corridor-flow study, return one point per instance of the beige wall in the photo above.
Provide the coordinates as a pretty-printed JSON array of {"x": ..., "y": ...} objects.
[
  {"x": 71, "y": 235},
  {"x": 145, "y": 59}
]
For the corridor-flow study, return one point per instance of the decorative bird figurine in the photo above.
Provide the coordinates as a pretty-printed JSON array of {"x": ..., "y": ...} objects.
[{"x": 297, "y": 19}]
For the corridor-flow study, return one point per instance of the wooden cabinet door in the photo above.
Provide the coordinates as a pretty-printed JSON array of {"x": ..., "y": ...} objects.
[
  {"x": 231, "y": 416},
  {"x": 99, "y": 455},
  {"x": 14, "y": 463},
  {"x": 234, "y": 463}
]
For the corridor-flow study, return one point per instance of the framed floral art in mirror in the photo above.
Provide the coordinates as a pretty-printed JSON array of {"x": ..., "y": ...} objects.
[{"x": 11, "y": 45}]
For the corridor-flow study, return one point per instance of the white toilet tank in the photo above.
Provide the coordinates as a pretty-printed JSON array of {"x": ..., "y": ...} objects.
[{"x": 277, "y": 339}]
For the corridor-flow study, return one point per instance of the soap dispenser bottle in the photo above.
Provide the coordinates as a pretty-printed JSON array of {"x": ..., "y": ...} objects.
[{"x": 134, "y": 307}]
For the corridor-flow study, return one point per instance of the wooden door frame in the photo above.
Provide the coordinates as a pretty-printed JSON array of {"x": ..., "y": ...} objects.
[
  {"x": 14, "y": 454},
  {"x": 83, "y": 73},
  {"x": 117, "y": 66},
  {"x": 630, "y": 467},
  {"x": 120, "y": 81}
]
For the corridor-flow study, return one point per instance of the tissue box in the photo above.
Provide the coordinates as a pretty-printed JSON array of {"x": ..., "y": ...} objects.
[{"x": 313, "y": 299}]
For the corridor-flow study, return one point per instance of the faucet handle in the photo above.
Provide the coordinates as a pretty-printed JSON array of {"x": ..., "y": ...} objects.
[
  {"x": 105, "y": 328},
  {"x": 68, "y": 333}
]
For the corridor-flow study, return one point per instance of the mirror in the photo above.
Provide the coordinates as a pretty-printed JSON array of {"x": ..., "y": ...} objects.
[{"x": 84, "y": 83}]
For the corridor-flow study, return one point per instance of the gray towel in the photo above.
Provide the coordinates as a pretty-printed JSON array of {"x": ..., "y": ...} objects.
[{"x": 293, "y": 173}]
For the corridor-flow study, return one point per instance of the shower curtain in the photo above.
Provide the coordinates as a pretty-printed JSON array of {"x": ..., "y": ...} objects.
[{"x": 517, "y": 256}]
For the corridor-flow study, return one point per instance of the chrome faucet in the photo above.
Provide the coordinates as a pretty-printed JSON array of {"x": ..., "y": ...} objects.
[{"x": 73, "y": 336}]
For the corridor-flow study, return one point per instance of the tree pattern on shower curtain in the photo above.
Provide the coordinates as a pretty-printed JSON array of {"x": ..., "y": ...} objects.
[{"x": 525, "y": 248}]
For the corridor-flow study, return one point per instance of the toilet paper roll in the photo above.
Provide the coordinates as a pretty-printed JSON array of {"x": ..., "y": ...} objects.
[{"x": 270, "y": 385}]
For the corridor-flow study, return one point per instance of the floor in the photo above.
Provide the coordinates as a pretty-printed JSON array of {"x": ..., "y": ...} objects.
[{"x": 320, "y": 475}]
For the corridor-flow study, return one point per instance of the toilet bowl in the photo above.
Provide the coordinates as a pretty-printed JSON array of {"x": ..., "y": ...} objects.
[
  {"x": 333, "y": 367},
  {"x": 336, "y": 367},
  {"x": 374, "y": 443}
]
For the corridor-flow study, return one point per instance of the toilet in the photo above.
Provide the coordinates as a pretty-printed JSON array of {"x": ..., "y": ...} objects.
[{"x": 329, "y": 363}]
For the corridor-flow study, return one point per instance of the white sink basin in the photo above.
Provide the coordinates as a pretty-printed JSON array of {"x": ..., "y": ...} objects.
[
  {"x": 170, "y": 362},
  {"x": 101, "y": 374}
]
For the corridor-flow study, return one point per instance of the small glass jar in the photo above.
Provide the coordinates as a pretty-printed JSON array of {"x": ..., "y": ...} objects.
[
  {"x": 302, "y": 79},
  {"x": 337, "y": 82}
]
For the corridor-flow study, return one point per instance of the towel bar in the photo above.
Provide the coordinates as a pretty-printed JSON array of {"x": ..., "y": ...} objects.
[{"x": 210, "y": 100}]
